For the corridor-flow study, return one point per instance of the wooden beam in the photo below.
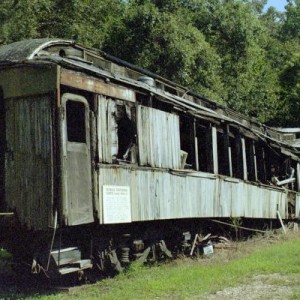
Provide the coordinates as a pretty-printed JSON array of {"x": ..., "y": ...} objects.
[
  {"x": 229, "y": 152},
  {"x": 87, "y": 83},
  {"x": 215, "y": 149},
  {"x": 245, "y": 172},
  {"x": 196, "y": 147},
  {"x": 298, "y": 176},
  {"x": 281, "y": 222},
  {"x": 255, "y": 161}
]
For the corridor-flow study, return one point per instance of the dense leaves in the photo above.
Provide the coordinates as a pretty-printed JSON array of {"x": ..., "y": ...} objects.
[{"x": 233, "y": 51}]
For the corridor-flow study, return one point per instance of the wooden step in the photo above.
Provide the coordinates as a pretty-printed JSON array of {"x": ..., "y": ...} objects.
[
  {"x": 76, "y": 266},
  {"x": 66, "y": 256},
  {"x": 83, "y": 264}
]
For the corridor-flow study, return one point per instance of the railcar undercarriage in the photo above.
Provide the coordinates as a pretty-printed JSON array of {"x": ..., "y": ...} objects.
[{"x": 101, "y": 251}]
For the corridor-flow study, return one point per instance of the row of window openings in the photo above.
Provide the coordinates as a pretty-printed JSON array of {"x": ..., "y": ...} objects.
[
  {"x": 204, "y": 148},
  {"x": 220, "y": 152}
]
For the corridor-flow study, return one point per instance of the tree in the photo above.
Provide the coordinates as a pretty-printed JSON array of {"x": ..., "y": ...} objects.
[
  {"x": 167, "y": 44},
  {"x": 229, "y": 50},
  {"x": 236, "y": 31},
  {"x": 86, "y": 21},
  {"x": 21, "y": 19},
  {"x": 291, "y": 24}
]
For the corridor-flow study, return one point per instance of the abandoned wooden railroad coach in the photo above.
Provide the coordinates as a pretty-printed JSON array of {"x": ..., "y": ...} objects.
[{"x": 103, "y": 162}]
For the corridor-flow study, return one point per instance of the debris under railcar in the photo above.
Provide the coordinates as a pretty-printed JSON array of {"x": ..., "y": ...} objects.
[{"x": 103, "y": 162}]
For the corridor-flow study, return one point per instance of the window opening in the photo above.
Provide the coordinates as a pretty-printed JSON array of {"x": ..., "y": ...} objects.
[
  {"x": 294, "y": 172},
  {"x": 144, "y": 99},
  {"x": 2, "y": 149},
  {"x": 223, "y": 156},
  {"x": 187, "y": 142},
  {"x": 161, "y": 105},
  {"x": 290, "y": 169},
  {"x": 126, "y": 131},
  {"x": 261, "y": 164},
  {"x": 250, "y": 159},
  {"x": 274, "y": 166},
  {"x": 236, "y": 154},
  {"x": 204, "y": 137},
  {"x": 283, "y": 172},
  {"x": 76, "y": 127}
]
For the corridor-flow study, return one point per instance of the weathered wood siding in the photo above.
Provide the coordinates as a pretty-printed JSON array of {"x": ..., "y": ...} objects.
[
  {"x": 158, "y": 138},
  {"x": 158, "y": 195},
  {"x": 29, "y": 161},
  {"x": 297, "y": 206},
  {"x": 107, "y": 129}
]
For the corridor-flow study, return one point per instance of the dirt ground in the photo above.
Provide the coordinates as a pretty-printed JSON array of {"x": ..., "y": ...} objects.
[{"x": 265, "y": 287}]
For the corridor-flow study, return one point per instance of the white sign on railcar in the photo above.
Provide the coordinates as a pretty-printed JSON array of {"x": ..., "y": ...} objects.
[{"x": 116, "y": 204}]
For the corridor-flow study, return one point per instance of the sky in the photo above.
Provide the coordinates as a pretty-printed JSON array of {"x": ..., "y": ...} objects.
[{"x": 278, "y": 4}]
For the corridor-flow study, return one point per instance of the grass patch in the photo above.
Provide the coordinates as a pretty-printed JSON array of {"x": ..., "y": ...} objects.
[
  {"x": 187, "y": 278},
  {"x": 5, "y": 260}
]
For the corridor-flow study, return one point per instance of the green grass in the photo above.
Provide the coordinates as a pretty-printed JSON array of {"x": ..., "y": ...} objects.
[
  {"x": 191, "y": 279},
  {"x": 5, "y": 259}
]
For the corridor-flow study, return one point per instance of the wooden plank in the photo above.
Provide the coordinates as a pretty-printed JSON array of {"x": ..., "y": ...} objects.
[
  {"x": 281, "y": 222},
  {"x": 215, "y": 149},
  {"x": 83, "y": 82},
  {"x": 255, "y": 161},
  {"x": 6, "y": 214},
  {"x": 30, "y": 170},
  {"x": 298, "y": 176},
  {"x": 245, "y": 173}
]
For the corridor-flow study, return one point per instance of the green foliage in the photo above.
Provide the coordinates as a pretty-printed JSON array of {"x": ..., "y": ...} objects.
[
  {"x": 5, "y": 255},
  {"x": 5, "y": 261},
  {"x": 21, "y": 19},
  {"x": 86, "y": 21},
  {"x": 241, "y": 43},
  {"x": 229, "y": 50},
  {"x": 167, "y": 44},
  {"x": 291, "y": 24},
  {"x": 290, "y": 82}
]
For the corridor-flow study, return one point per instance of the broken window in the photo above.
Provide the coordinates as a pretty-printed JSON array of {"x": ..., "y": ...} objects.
[
  {"x": 283, "y": 172},
  {"x": 144, "y": 99},
  {"x": 204, "y": 139},
  {"x": 116, "y": 131},
  {"x": 187, "y": 142},
  {"x": 76, "y": 127},
  {"x": 153, "y": 101},
  {"x": 274, "y": 165},
  {"x": 236, "y": 153},
  {"x": 250, "y": 159},
  {"x": 261, "y": 163},
  {"x": 223, "y": 155},
  {"x": 126, "y": 132},
  {"x": 290, "y": 170}
]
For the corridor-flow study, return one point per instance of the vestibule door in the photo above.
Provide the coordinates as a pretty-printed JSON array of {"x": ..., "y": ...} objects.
[{"x": 76, "y": 163}]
